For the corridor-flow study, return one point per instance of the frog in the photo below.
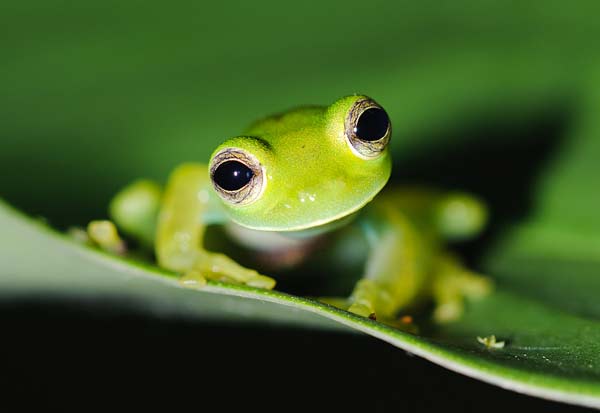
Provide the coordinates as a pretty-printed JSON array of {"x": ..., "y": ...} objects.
[{"x": 296, "y": 177}]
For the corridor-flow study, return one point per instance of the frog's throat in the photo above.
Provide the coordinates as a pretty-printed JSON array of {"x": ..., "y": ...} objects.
[
  {"x": 315, "y": 231},
  {"x": 314, "y": 227},
  {"x": 306, "y": 233}
]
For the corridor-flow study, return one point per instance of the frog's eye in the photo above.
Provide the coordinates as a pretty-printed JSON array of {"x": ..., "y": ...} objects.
[
  {"x": 237, "y": 176},
  {"x": 367, "y": 128}
]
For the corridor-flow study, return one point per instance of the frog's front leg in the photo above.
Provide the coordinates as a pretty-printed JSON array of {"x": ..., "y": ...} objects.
[
  {"x": 407, "y": 261},
  {"x": 182, "y": 221},
  {"x": 397, "y": 265}
]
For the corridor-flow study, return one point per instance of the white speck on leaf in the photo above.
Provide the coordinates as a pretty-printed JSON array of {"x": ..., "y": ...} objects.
[{"x": 490, "y": 342}]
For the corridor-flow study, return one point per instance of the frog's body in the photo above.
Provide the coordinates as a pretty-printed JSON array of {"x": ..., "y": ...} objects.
[{"x": 287, "y": 182}]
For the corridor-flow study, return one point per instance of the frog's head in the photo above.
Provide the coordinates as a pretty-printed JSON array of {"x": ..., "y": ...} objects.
[{"x": 304, "y": 168}]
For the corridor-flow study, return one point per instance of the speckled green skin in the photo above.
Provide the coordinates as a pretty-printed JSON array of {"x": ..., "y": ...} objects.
[{"x": 313, "y": 180}]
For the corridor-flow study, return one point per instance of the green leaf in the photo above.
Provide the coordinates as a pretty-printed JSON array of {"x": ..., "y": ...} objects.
[{"x": 548, "y": 353}]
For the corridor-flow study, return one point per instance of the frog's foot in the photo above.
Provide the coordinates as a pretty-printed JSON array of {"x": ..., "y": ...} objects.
[
  {"x": 366, "y": 293},
  {"x": 105, "y": 235},
  {"x": 363, "y": 308},
  {"x": 404, "y": 322},
  {"x": 79, "y": 235},
  {"x": 453, "y": 283},
  {"x": 193, "y": 279},
  {"x": 219, "y": 267}
]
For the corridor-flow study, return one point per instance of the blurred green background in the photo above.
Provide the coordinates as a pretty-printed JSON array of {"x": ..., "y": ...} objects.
[
  {"x": 98, "y": 93},
  {"x": 497, "y": 97}
]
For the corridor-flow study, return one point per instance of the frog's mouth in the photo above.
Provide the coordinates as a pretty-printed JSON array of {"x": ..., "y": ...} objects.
[
  {"x": 310, "y": 205},
  {"x": 297, "y": 226}
]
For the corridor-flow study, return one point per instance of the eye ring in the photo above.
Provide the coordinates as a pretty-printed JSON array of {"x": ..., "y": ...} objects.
[
  {"x": 235, "y": 160},
  {"x": 370, "y": 146}
]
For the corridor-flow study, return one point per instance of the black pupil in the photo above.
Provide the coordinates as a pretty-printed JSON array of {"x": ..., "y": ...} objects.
[
  {"x": 232, "y": 175},
  {"x": 372, "y": 124}
]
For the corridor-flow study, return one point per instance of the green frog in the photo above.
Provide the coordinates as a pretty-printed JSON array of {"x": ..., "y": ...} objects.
[{"x": 293, "y": 178}]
